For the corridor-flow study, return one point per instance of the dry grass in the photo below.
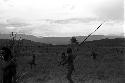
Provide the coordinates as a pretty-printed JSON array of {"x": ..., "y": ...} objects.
[{"x": 108, "y": 68}]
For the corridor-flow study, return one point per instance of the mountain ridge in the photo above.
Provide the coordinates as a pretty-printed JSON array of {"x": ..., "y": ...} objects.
[{"x": 58, "y": 40}]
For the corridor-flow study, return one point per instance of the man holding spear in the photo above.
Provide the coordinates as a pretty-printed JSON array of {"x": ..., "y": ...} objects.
[{"x": 69, "y": 59}]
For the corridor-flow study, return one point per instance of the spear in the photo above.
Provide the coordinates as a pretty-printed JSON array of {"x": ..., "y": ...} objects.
[{"x": 90, "y": 34}]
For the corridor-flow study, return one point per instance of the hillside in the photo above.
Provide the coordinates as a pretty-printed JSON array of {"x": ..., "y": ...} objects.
[
  {"x": 117, "y": 42},
  {"x": 99, "y": 43},
  {"x": 58, "y": 40}
]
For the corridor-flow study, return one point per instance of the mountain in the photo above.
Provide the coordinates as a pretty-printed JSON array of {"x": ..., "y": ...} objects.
[{"x": 58, "y": 40}]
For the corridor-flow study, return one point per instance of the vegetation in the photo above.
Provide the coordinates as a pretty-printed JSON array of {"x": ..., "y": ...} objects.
[{"x": 108, "y": 67}]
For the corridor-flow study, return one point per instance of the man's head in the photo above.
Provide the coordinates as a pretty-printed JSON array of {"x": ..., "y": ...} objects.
[
  {"x": 63, "y": 53},
  {"x": 6, "y": 53},
  {"x": 1, "y": 54},
  {"x": 69, "y": 50}
]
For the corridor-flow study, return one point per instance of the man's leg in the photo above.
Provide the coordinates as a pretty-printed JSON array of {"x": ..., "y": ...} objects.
[
  {"x": 69, "y": 74},
  {"x": 14, "y": 75},
  {"x": 7, "y": 78},
  {"x": 31, "y": 65}
]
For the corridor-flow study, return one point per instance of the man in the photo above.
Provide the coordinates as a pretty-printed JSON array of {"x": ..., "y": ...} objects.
[
  {"x": 33, "y": 61},
  {"x": 69, "y": 62},
  {"x": 8, "y": 66},
  {"x": 94, "y": 55}
]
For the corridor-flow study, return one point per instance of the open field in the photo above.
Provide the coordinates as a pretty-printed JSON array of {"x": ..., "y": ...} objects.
[{"x": 109, "y": 67}]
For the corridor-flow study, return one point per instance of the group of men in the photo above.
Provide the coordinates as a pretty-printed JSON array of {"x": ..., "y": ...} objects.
[
  {"x": 9, "y": 65},
  {"x": 9, "y": 68}
]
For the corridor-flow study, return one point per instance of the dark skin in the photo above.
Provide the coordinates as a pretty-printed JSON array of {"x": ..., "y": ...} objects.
[
  {"x": 63, "y": 58},
  {"x": 9, "y": 66},
  {"x": 94, "y": 55},
  {"x": 33, "y": 61},
  {"x": 69, "y": 62}
]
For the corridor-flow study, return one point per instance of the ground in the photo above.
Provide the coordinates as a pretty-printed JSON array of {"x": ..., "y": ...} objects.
[{"x": 107, "y": 68}]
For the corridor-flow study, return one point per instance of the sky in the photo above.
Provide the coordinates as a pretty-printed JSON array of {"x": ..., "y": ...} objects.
[{"x": 61, "y": 18}]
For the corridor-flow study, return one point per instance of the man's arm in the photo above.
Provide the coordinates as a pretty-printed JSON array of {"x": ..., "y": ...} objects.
[
  {"x": 63, "y": 62},
  {"x": 6, "y": 64},
  {"x": 75, "y": 56}
]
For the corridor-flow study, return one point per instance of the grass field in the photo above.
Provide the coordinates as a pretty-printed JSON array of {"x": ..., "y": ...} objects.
[{"x": 107, "y": 68}]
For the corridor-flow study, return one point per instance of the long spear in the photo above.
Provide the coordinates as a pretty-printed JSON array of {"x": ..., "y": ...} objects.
[{"x": 90, "y": 34}]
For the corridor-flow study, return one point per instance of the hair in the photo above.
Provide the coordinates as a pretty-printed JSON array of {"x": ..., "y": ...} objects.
[
  {"x": 7, "y": 54},
  {"x": 63, "y": 53},
  {"x": 69, "y": 50}
]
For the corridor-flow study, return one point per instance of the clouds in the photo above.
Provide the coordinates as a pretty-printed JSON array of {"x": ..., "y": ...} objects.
[
  {"x": 55, "y": 9},
  {"x": 16, "y": 22},
  {"x": 61, "y": 17},
  {"x": 63, "y": 9},
  {"x": 113, "y": 10},
  {"x": 70, "y": 20},
  {"x": 13, "y": 24}
]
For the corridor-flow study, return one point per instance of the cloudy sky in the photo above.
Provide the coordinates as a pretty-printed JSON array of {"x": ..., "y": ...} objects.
[{"x": 61, "y": 17}]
